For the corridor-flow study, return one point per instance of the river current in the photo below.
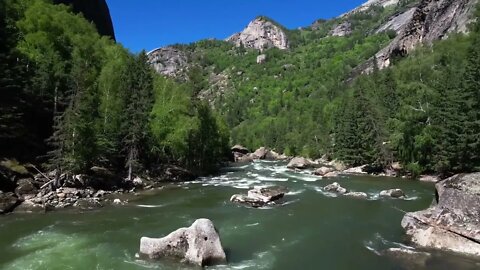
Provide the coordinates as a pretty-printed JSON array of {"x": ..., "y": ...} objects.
[{"x": 312, "y": 229}]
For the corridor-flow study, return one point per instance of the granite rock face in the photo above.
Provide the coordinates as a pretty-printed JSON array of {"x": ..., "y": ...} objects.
[
  {"x": 453, "y": 224},
  {"x": 431, "y": 20},
  {"x": 261, "y": 34},
  {"x": 169, "y": 61}
]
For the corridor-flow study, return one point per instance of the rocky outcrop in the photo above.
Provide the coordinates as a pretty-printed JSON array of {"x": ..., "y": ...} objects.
[
  {"x": 261, "y": 59},
  {"x": 169, "y": 61},
  {"x": 261, "y": 34},
  {"x": 453, "y": 224},
  {"x": 397, "y": 22},
  {"x": 371, "y": 3},
  {"x": 260, "y": 196},
  {"x": 431, "y": 20},
  {"x": 198, "y": 244},
  {"x": 341, "y": 30},
  {"x": 95, "y": 11}
]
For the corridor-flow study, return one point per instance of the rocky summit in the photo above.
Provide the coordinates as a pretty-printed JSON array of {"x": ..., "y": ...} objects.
[{"x": 261, "y": 34}]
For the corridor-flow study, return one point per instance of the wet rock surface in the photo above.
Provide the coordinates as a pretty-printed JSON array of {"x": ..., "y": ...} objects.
[
  {"x": 453, "y": 224},
  {"x": 198, "y": 244},
  {"x": 260, "y": 196}
]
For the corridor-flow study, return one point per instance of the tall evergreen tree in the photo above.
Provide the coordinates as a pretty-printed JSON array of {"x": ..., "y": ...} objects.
[{"x": 137, "y": 113}]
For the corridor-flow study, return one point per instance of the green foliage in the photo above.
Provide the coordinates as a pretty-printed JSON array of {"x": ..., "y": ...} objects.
[{"x": 105, "y": 106}]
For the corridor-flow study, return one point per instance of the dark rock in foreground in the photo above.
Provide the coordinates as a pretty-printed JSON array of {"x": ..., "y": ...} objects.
[
  {"x": 198, "y": 244},
  {"x": 8, "y": 201},
  {"x": 454, "y": 223},
  {"x": 259, "y": 197}
]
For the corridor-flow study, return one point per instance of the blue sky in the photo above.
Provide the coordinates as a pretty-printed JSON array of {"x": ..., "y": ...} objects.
[{"x": 148, "y": 24}]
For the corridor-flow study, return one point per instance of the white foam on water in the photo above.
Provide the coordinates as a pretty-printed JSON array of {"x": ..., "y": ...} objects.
[
  {"x": 150, "y": 206},
  {"x": 252, "y": 225},
  {"x": 261, "y": 260},
  {"x": 271, "y": 179},
  {"x": 378, "y": 244},
  {"x": 296, "y": 192}
]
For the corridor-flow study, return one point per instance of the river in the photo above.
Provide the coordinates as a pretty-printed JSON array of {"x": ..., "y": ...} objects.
[{"x": 311, "y": 230}]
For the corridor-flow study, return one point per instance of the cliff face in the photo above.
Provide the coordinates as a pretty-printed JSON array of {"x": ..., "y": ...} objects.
[
  {"x": 431, "y": 20},
  {"x": 261, "y": 34},
  {"x": 95, "y": 11},
  {"x": 371, "y": 3},
  {"x": 169, "y": 61}
]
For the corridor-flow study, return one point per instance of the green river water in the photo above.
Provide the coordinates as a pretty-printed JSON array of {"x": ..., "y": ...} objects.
[{"x": 311, "y": 230}]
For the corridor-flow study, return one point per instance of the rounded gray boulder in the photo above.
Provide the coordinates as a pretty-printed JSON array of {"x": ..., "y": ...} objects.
[{"x": 198, "y": 244}]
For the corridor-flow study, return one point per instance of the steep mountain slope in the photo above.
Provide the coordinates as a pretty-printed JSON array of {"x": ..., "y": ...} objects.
[
  {"x": 296, "y": 99},
  {"x": 95, "y": 11},
  {"x": 431, "y": 20}
]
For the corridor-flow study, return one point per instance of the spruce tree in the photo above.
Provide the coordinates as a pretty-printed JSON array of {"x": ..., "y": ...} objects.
[{"x": 139, "y": 98}]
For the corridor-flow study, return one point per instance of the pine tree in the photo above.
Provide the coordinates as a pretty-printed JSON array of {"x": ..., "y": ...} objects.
[
  {"x": 137, "y": 114},
  {"x": 471, "y": 90}
]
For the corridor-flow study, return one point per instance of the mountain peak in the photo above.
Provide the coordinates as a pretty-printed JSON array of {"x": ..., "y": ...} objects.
[{"x": 261, "y": 33}]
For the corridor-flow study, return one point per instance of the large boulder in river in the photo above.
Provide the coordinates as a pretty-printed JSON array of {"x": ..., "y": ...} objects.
[
  {"x": 324, "y": 171},
  {"x": 198, "y": 244},
  {"x": 260, "y": 153},
  {"x": 299, "y": 163},
  {"x": 8, "y": 201},
  {"x": 260, "y": 196},
  {"x": 335, "y": 188},
  {"x": 240, "y": 149},
  {"x": 393, "y": 193},
  {"x": 453, "y": 224},
  {"x": 357, "y": 195}
]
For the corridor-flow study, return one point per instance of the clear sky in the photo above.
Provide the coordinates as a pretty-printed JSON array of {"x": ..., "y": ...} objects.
[{"x": 149, "y": 24}]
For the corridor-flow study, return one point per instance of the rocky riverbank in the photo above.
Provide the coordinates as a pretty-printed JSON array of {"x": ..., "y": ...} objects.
[
  {"x": 324, "y": 167},
  {"x": 25, "y": 189}
]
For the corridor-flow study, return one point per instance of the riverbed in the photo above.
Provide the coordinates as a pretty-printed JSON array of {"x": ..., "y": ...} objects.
[{"x": 311, "y": 229}]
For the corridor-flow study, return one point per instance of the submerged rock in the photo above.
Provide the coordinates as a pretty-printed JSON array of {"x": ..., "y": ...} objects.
[
  {"x": 408, "y": 258},
  {"x": 357, "y": 195},
  {"x": 198, "y": 244},
  {"x": 453, "y": 224},
  {"x": 260, "y": 196},
  {"x": 335, "y": 188},
  {"x": 394, "y": 193}
]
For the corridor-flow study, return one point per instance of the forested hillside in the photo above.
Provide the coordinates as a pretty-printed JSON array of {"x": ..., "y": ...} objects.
[
  {"x": 72, "y": 99},
  {"x": 312, "y": 99}
]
